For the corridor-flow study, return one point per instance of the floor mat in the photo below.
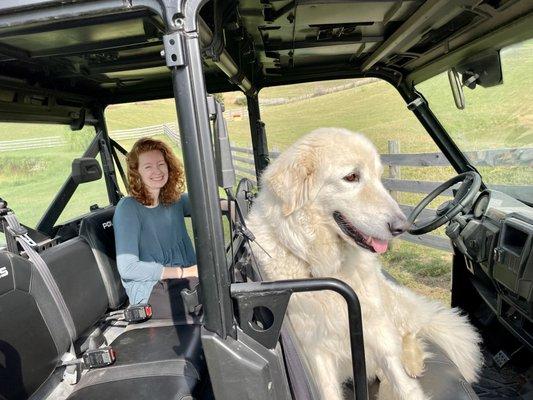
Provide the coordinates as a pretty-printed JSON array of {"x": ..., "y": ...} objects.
[{"x": 509, "y": 382}]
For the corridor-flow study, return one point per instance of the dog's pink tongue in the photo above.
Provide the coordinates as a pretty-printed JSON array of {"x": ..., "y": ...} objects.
[{"x": 379, "y": 246}]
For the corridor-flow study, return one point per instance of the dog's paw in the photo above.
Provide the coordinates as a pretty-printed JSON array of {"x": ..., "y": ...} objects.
[
  {"x": 413, "y": 355},
  {"x": 414, "y": 366}
]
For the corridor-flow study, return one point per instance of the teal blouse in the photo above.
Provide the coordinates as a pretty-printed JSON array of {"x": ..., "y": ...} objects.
[{"x": 146, "y": 240}]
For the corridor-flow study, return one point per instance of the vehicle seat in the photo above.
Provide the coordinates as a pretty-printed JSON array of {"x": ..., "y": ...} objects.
[
  {"x": 161, "y": 361},
  {"x": 32, "y": 334},
  {"x": 164, "y": 362},
  {"x": 97, "y": 230}
]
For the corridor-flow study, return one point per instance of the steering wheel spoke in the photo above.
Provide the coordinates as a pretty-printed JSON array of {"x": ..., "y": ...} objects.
[{"x": 423, "y": 222}]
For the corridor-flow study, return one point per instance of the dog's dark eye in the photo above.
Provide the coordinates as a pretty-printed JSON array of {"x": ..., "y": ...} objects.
[{"x": 353, "y": 177}]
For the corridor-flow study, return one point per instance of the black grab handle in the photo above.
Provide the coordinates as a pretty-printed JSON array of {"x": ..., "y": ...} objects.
[{"x": 244, "y": 291}]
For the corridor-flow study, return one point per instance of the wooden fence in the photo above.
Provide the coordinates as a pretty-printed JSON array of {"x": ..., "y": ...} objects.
[
  {"x": 244, "y": 167},
  {"x": 170, "y": 129}
]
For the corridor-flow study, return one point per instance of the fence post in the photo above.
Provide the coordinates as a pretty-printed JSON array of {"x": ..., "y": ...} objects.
[
  {"x": 394, "y": 173},
  {"x": 394, "y": 170}
]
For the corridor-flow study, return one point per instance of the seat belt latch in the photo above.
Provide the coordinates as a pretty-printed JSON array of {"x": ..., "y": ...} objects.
[
  {"x": 138, "y": 313},
  {"x": 22, "y": 233},
  {"x": 99, "y": 358},
  {"x": 73, "y": 367},
  {"x": 191, "y": 300}
]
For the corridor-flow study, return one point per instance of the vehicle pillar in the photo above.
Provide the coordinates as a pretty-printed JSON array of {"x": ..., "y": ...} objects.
[
  {"x": 420, "y": 108},
  {"x": 113, "y": 190},
  {"x": 183, "y": 57},
  {"x": 259, "y": 139}
]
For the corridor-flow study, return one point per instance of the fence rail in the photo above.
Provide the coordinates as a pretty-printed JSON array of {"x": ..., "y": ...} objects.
[
  {"x": 170, "y": 129},
  {"x": 482, "y": 158},
  {"x": 14, "y": 145},
  {"x": 512, "y": 157}
]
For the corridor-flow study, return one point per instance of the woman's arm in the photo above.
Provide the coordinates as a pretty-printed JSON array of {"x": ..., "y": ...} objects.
[{"x": 127, "y": 235}]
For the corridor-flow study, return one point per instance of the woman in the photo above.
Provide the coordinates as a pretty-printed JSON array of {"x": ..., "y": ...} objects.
[{"x": 154, "y": 251}]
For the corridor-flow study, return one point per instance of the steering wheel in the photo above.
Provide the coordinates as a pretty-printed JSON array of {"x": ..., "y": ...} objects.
[{"x": 471, "y": 183}]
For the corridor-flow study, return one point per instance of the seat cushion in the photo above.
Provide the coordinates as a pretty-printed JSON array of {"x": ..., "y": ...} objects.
[
  {"x": 163, "y": 362},
  {"x": 153, "y": 384},
  {"x": 442, "y": 379},
  {"x": 160, "y": 343}
]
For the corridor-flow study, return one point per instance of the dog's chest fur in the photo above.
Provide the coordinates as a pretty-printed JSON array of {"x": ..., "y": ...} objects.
[{"x": 297, "y": 251}]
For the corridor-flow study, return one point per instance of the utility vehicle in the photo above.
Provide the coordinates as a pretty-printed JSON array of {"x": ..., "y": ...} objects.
[{"x": 64, "y": 62}]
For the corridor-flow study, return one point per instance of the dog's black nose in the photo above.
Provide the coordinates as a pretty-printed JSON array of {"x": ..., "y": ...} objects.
[{"x": 398, "y": 226}]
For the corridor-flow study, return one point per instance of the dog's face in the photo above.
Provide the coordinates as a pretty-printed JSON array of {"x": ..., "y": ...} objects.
[{"x": 337, "y": 175}]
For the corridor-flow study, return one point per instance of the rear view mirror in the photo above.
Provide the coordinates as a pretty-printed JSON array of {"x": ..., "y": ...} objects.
[
  {"x": 85, "y": 170},
  {"x": 483, "y": 69},
  {"x": 457, "y": 88}
]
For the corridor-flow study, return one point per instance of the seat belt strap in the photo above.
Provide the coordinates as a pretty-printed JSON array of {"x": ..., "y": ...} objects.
[
  {"x": 20, "y": 234},
  {"x": 15, "y": 232}
]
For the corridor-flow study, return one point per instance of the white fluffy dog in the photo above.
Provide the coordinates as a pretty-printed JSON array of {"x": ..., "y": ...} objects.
[{"x": 323, "y": 212}]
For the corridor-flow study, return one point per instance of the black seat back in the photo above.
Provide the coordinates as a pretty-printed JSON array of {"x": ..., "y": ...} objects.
[
  {"x": 32, "y": 334},
  {"x": 97, "y": 230},
  {"x": 77, "y": 275}
]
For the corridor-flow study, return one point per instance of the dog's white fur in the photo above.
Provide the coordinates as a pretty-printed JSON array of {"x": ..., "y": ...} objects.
[{"x": 292, "y": 220}]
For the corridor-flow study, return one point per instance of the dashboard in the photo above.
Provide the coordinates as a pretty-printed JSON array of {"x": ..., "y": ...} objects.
[{"x": 496, "y": 240}]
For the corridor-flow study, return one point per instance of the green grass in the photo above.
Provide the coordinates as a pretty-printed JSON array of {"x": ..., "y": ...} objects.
[
  {"x": 122, "y": 116},
  {"x": 501, "y": 116},
  {"x": 494, "y": 118},
  {"x": 30, "y": 194},
  {"x": 422, "y": 269},
  {"x": 354, "y": 109},
  {"x": 135, "y": 115}
]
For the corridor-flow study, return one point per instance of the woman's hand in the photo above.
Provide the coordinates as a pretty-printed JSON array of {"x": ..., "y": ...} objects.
[
  {"x": 189, "y": 272},
  {"x": 179, "y": 272}
]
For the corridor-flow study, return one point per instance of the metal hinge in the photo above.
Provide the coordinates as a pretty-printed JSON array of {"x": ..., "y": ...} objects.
[{"x": 174, "y": 49}]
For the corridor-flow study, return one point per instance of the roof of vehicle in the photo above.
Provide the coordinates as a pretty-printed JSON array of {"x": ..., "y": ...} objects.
[{"x": 115, "y": 55}]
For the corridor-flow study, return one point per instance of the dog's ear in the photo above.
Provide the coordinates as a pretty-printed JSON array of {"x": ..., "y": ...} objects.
[{"x": 291, "y": 178}]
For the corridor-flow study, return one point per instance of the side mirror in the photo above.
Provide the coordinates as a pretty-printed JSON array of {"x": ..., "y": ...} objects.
[
  {"x": 85, "y": 169},
  {"x": 457, "y": 88}
]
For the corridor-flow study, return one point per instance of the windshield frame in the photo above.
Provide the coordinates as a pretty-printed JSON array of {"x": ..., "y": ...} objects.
[{"x": 440, "y": 100}]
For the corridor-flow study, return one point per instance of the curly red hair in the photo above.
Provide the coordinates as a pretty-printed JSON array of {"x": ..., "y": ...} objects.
[{"x": 175, "y": 185}]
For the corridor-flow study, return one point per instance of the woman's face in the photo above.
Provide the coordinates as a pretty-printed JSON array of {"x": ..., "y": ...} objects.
[{"x": 153, "y": 170}]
